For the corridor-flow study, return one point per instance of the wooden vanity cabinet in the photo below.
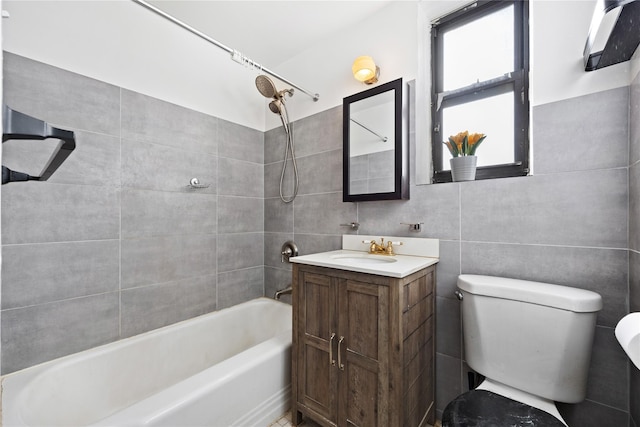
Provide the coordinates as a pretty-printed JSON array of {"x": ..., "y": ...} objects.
[{"x": 363, "y": 348}]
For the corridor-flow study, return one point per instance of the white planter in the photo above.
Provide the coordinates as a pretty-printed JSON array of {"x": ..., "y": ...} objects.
[{"x": 463, "y": 168}]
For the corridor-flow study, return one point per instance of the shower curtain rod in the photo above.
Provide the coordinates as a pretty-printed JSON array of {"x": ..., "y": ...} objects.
[{"x": 235, "y": 55}]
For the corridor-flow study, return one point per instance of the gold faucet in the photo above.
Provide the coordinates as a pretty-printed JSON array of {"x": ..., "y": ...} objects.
[{"x": 380, "y": 249}]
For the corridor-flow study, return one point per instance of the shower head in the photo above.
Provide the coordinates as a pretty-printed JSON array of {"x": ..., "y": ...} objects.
[
  {"x": 274, "y": 106},
  {"x": 266, "y": 87}
]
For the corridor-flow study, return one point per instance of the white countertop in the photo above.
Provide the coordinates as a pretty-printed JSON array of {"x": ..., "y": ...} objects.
[{"x": 360, "y": 261}]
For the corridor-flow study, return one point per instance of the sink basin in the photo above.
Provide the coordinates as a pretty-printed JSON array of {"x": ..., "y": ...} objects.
[
  {"x": 363, "y": 258},
  {"x": 628, "y": 334}
]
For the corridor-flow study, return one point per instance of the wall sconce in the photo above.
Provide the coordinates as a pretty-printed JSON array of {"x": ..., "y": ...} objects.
[{"x": 365, "y": 70}]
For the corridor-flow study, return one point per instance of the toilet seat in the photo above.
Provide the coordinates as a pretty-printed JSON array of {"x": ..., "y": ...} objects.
[{"x": 483, "y": 408}]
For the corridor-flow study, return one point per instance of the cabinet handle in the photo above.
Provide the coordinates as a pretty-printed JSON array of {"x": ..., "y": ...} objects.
[
  {"x": 340, "y": 364},
  {"x": 332, "y": 361}
]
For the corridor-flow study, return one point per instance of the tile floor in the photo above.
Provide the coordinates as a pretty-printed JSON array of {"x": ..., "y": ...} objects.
[{"x": 285, "y": 421}]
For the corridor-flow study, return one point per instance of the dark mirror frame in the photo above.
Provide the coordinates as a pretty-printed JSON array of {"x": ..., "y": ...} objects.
[{"x": 401, "y": 158}]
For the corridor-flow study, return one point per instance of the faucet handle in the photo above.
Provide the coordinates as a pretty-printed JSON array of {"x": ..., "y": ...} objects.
[
  {"x": 389, "y": 249},
  {"x": 368, "y": 242},
  {"x": 375, "y": 247},
  {"x": 289, "y": 249}
]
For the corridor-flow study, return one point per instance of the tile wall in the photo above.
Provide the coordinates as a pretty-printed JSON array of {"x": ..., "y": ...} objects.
[
  {"x": 567, "y": 224},
  {"x": 115, "y": 243},
  {"x": 370, "y": 173},
  {"x": 634, "y": 235}
]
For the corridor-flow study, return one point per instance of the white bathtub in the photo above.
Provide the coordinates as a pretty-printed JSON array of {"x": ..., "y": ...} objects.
[{"x": 227, "y": 368}]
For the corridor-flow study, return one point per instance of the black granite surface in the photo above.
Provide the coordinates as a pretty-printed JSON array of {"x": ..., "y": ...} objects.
[{"x": 481, "y": 408}]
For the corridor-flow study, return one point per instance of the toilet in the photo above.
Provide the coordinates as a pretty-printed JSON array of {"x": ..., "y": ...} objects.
[{"x": 532, "y": 343}]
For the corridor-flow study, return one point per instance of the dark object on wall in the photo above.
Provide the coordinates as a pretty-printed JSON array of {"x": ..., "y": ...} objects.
[
  {"x": 614, "y": 34},
  {"x": 376, "y": 144},
  {"x": 21, "y": 126}
]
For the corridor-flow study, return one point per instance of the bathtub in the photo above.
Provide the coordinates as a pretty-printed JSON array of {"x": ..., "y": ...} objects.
[{"x": 227, "y": 368}]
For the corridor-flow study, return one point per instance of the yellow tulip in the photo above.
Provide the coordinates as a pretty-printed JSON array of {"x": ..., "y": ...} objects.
[
  {"x": 464, "y": 144},
  {"x": 449, "y": 146},
  {"x": 459, "y": 138},
  {"x": 475, "y": 137}
]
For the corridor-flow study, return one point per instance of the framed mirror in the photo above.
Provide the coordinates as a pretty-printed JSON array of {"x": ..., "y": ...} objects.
[{"x": 375, "y": 163}]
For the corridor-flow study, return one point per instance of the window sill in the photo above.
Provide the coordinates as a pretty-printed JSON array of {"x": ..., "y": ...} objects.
[{"x": 509, "y": 170}]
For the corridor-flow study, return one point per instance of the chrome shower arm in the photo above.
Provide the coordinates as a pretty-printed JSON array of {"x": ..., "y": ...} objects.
[{"x": 235, "y": 55}]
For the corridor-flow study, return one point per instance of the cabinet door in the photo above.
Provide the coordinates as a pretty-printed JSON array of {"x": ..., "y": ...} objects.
[
  {"x": 317, "y": 359},
  {"x": 363, "y": 354}
]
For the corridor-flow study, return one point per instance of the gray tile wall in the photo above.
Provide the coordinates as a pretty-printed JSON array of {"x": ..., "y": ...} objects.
[
  {"x": 634, "y": 235},
  {"x": 567, "y": 224},
  {"x": 370, "y": 173},
  {"x": 314, "y": 217},
  {"x": 115, "y": 243}
]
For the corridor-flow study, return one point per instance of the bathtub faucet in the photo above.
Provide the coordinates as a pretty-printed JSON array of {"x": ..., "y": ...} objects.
[{"x": 281, "y": 292}]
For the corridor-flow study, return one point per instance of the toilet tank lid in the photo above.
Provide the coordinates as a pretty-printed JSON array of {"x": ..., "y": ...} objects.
[{"x": 557, "y": 296}]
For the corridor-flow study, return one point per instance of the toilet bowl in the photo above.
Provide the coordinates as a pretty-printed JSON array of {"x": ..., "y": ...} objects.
[{"x": 532, "y": 342}]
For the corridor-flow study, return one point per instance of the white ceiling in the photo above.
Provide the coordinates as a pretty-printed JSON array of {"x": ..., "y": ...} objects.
[
  {"x": 270, "y": 32},
  {"x": 311, "y": 43}
]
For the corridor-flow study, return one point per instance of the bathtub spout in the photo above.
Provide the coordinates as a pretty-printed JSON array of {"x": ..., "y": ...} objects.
[{"x": 281, "y": 292}]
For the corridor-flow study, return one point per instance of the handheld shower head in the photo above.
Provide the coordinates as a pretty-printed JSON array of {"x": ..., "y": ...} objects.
[
  {"x": 266, "y": 87},
  {"x": 274, "y": 106},
  {"x": 268, "y": 90},
  {"x": 277, "y": 105}
]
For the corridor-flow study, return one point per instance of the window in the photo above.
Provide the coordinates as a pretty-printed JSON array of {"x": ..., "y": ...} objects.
[{"x": 480, "y": 84}]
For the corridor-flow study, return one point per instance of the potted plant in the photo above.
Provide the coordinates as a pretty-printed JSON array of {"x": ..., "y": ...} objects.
[{"x": 463, "y": 148}]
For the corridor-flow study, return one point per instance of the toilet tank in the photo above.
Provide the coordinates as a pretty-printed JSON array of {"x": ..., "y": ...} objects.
[{"x": 536, "y": 337}]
